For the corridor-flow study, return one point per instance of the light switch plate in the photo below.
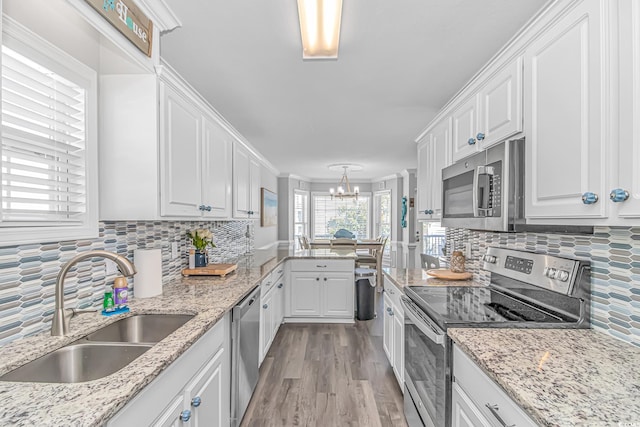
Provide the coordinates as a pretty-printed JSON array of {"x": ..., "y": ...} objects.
[
  {"x": 467, "y": 250},
  {"x": 174, "y": 250},
  {"x": 111, "y": 267}
]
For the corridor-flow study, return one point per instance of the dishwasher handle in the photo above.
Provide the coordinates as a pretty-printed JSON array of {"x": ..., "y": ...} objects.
[{"x": 246, "y": 303}]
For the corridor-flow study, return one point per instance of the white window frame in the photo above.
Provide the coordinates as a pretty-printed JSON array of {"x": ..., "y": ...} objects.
[
  {"x": 312, "y": 213},
  {"x": 27, "y": 43},
  {"x": 386, "y": 256},
  {"x": 293, "y": 213}
]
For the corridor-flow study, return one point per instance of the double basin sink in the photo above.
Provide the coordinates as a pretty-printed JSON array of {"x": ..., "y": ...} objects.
[{"x": 100, "y": 353}]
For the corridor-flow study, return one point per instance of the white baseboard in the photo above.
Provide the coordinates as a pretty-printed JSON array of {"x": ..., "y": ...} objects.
[{"x": 316, "y": 320}]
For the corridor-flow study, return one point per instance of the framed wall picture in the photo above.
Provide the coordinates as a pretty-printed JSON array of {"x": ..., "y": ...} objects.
[{"x": 268, "y": 208}]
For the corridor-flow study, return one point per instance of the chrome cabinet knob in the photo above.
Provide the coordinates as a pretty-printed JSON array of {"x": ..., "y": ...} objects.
[
  {"x": 618, "y": 195},
  {"x": 589, "y": 198},
  {"x": 196, "y": 401},
  {"x": 265, "y": 306},
  {"x": 429, "y": 212},
  {"x": 185, "y": 415},
  {"x": 471, "y": 141},
  {"x": 317, "y": 279},
  {"x": 325, "y": 279},
  {"x": 208, "y": 208},
  {"x": 201, "y": 207},
  {"x": 280, "y": 285},
  {"x": 480, "y": 136}
]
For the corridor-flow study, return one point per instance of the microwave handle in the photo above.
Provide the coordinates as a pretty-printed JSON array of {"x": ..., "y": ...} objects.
[{"x": 474, "y": 197}]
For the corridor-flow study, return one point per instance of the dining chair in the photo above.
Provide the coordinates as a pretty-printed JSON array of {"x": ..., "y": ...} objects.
[
  {"x": 305, "y": 242},
  {"x": 342, "y": 243},
  {"x": 371, "y": 259},
  {"x": 429, "y": 261}
]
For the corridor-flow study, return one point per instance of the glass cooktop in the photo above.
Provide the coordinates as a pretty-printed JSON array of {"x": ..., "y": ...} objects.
[{"x": 461, "y": 305}]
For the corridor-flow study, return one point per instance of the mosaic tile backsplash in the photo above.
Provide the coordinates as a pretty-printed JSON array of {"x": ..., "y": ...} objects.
[
  {"x": 615, "y": 268},
  {"x": 28, "y": 272}
]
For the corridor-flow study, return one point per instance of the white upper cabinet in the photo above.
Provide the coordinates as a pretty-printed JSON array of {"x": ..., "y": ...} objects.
[
  {"x": 626, "y": 176},
  {"x": 491, "y": 113},
  {"x": 501, "y": 105},
  {"x": 465, "y": 123},
  {"x": 434, "y": 154},
  {"x": 217, "y": 149},
  {"x": 246, "y": 185},
  {"x": 565, "y": 114},
  {"x": 180, "y": 147}
]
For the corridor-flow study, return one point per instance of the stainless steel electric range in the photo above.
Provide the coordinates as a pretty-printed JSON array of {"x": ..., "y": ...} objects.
[{"x": 527, "y": 290}]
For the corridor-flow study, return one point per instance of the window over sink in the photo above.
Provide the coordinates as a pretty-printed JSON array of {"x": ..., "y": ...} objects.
[{"x": 49, "y": 136}]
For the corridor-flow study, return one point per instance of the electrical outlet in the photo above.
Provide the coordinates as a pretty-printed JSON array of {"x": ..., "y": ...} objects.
[
  {"x": 111, "y": 267},
  {"x": 467, "y": 250},
  {"x": 174, "y": 250}
]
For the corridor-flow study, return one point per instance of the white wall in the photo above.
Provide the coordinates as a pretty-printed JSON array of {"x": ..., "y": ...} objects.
[{"x": 267, "y": 236}]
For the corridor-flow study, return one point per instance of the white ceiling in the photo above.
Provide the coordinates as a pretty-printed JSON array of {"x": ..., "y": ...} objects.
[{"x": 399, "y": 62}]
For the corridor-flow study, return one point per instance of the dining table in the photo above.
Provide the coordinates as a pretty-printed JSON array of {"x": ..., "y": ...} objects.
[{"x": 373, "y": 246}]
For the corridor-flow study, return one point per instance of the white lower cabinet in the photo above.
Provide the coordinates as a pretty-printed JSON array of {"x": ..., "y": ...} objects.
[
  {"x": 393, "y": 330},
  {"x": 271, "y": 310},
  {"x": 478, "y": 401},
  {"x": 194, "y": 391},
  {"x": 322, "y": 289}
]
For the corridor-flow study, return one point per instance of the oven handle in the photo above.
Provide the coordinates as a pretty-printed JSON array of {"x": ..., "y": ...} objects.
[{"x": 426, "y": 327}]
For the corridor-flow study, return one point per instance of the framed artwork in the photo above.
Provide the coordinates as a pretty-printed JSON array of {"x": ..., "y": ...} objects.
[{"x": 268, "y": 208}]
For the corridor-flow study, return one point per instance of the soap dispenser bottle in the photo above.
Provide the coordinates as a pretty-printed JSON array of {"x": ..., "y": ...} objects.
[{"x": 120, "y": 291}]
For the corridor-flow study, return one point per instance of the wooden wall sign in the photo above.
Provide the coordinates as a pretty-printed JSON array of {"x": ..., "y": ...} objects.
[{"x": 125, "y": 16}]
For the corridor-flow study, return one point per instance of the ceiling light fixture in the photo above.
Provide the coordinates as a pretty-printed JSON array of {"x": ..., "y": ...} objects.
[
  {"x": 320, "y": 28},
  {"x": 342, "y": 192}
]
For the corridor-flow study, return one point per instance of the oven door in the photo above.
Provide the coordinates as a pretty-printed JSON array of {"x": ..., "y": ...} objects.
[{"x": 425, "y": 364}]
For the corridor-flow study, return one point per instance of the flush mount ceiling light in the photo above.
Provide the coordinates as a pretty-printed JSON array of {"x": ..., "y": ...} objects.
[
  {"x": 344, "y": 187},
  {"x": 320, "y": 28}
]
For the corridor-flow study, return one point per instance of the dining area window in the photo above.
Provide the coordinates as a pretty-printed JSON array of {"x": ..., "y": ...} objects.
[
  {"x": 300, "y": 215},
  {"x": 333, "y": 214}
]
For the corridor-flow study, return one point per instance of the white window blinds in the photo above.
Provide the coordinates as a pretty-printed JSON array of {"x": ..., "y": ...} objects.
[
  {"x": 330, "y": 215},
  {"x": 43, "y": 145}
]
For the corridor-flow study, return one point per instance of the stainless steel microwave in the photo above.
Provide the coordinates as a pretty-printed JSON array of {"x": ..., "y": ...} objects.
[{"x": 485, "y": 191}]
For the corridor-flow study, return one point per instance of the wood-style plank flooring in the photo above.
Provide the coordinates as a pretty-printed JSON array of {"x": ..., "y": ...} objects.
[{"x": 326, "y": 375}]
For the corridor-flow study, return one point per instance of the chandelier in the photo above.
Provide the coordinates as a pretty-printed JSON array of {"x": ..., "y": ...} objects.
[{"x": 344, "y": 187}]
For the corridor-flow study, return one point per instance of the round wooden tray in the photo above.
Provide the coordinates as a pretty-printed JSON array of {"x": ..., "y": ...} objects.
[{"x": 446, "y": 274}]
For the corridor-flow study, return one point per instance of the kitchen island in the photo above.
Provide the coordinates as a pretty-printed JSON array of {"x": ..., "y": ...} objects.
[{"x": 93, "y": 403}]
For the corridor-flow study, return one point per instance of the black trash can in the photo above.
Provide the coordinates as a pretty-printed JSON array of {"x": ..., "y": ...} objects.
[{"x": 365, "y": 293}]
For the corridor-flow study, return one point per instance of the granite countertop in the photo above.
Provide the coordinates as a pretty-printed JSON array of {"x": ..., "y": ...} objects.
[
  {"x": 94, "y": 402},
  {"x": 560, "y": 377},
  {"x": 402, "y": 277}
]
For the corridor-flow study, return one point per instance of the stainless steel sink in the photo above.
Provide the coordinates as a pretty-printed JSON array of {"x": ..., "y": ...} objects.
[
  {"x": 78, "y": 362},
  {"x": 141, "y": 328},
  {"x": 100, "y": 353}
]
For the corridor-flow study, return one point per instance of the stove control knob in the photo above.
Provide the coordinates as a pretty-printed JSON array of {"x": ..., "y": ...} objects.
[
  {"x": 551, "y": 272},
  {"x": 491, "y": 259},
  {"x": 563, "y": 275}
]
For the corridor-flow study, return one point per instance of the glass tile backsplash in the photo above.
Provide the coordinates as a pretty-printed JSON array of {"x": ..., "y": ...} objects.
[{"x": 28, "y": 272}]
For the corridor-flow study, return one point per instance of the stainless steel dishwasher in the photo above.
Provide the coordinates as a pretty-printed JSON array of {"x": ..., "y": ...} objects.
[{"x": 245, "y": 341}]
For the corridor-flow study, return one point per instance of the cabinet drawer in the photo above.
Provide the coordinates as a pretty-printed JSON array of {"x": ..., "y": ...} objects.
[
  {"x": 393, "y": 292},
  {"x": 484, "y": 393},
  {"x": 321, "y": 265}
]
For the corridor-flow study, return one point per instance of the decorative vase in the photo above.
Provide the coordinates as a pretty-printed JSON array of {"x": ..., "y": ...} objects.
[
  {"x": 201, "y": 258},
  {"x": 457, "y": 262}
]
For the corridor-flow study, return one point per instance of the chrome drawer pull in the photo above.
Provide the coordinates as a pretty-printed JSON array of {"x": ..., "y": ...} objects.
[{"x": 494, "y": 412}]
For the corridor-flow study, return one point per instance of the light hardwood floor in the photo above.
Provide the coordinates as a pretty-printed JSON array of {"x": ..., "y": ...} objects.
[{"x": 326, "y": 375}]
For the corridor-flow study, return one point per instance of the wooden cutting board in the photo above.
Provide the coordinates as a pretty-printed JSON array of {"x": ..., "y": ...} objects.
[
  {"x": 210, "y": 270},
  {"x": 445, "y": 274}
]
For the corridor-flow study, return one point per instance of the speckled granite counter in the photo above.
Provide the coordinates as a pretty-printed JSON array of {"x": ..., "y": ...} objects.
[
  {"x": 402, "y": 277},
  {"x": 94, "y": 402},
  {"x": 560, "y": 377}
]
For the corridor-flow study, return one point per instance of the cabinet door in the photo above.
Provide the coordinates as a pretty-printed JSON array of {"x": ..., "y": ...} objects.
[
  {"x": 305, "y": 294},
  {"x": 463, "y": 411},
  {"x": 266, "y": 323},
  {"x": 179, "y": 155},
  {"x": 387, "y": 333},
  {"x": 398, "y": 344},
  {"x": 338, "y": 290},
  {"x": 464, "y": 120},
  {"x": 566, "y": 149},
  {"x": 241, "y": 182},
  {"x": 216, "y": 170},
  {"x": 629, "y": 152},
  {"x": 441, "y": 158},
  {"x": 171, "y": 415},
  {"x": 254, "y": 187},
  {"x": 501, "y": 105},
  {"x": 424, "y": 177},
  {"x": 206, "y": 395}
]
